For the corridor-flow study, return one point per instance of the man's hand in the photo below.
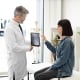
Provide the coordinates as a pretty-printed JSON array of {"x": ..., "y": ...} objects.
[{"x": 31, "y": 48}]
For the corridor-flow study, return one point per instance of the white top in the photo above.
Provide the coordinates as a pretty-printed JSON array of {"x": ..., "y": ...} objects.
[{"x": 16, "y": 47}]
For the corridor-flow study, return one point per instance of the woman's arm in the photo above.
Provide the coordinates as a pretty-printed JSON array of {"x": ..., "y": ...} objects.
[
  {"x": 48, "y": 44},
  {"x": 50, "y": 47}
]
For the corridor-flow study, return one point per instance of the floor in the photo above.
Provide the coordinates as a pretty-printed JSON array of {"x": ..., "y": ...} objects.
[
  {"x": 31, "y": 77},
  {"x": 5, "y": 78}
]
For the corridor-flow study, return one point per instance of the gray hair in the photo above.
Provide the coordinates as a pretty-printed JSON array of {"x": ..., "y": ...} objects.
[{"x": 20, "y": 10}]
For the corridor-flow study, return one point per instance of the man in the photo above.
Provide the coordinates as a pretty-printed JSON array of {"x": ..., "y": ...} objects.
[{"x": 16, "y": 45}]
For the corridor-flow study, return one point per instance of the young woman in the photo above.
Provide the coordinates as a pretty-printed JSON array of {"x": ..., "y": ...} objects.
[{"x": 64, "y": 54}]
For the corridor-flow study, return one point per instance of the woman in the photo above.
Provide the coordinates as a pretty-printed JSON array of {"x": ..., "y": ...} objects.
[{"x": 64, "y": 54}]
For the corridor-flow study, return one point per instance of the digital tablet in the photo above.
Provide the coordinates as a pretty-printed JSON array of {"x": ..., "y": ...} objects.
[{"x": 35, "y": 39}]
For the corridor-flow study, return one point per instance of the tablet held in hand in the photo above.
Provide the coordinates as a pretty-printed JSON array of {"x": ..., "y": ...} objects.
[{"x": 35, "y": 39}]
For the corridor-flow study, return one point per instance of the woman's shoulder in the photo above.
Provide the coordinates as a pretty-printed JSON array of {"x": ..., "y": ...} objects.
[{"x": 69, "y": 40}]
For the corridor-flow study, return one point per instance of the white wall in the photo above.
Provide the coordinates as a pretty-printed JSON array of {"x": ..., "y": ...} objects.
[
  {"x": 77, "y": 48},
  {"x": 71, "y": 10},
  {"x": 52, "y": 13},
  {"x": 46, "y": 28}
]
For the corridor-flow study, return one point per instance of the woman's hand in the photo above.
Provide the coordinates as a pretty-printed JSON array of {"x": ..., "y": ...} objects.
[{"x": 44, "y": 38}]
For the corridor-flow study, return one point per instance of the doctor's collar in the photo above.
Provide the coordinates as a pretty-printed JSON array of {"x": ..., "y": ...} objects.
[{"x": 15, "y": 22}]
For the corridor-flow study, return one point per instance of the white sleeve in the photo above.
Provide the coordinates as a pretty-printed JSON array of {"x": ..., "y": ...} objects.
[{"x": 12, "y": 44}]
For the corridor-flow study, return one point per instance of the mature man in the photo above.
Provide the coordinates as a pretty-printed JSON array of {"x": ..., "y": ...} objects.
[{"x": 16, "y": 45}]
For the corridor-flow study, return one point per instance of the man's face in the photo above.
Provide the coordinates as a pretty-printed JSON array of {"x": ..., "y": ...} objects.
[{"x": 21, "y": 18}]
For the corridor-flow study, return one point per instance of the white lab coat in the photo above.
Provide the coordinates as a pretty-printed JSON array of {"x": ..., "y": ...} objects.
[{"x": 16, "y": 47}]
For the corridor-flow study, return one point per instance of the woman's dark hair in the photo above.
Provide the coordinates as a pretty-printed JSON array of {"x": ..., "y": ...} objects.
[{"x": 66, "y": 27}]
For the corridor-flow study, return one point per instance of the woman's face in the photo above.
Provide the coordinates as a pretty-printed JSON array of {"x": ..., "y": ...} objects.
[{"x": 59, "y": 30}]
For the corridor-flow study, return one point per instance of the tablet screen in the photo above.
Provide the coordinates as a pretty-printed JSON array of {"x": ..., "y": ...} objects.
[{"x": 35, "y": 39}]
